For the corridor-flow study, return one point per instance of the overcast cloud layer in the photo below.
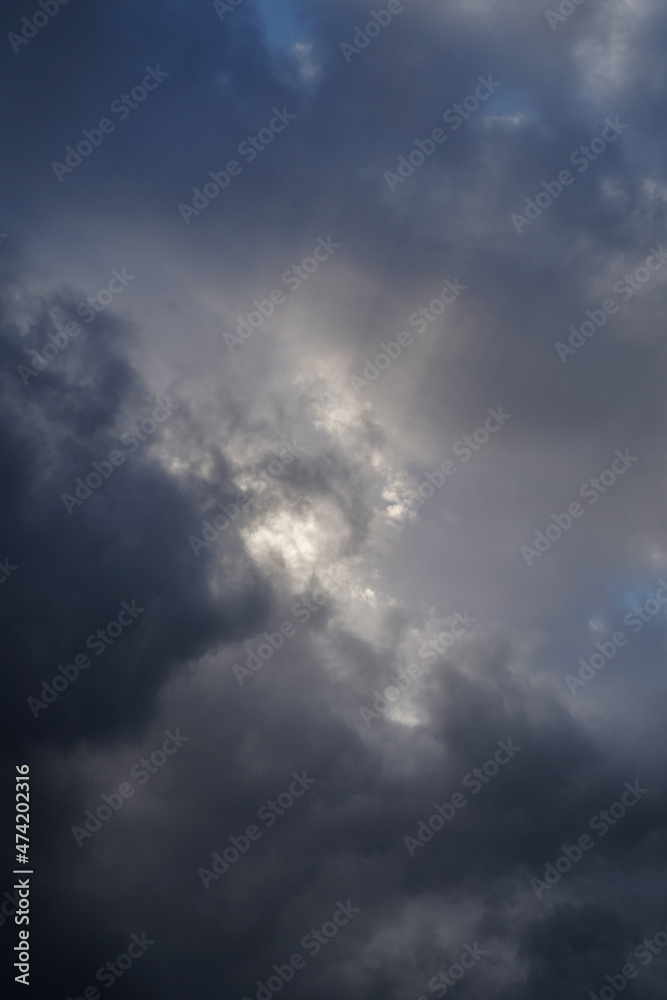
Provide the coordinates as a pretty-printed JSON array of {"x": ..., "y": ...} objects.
[{"x": 359, "y": 449}]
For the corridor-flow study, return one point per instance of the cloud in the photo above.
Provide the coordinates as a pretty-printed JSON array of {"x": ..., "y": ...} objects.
[{"x": 327, "y": 540}]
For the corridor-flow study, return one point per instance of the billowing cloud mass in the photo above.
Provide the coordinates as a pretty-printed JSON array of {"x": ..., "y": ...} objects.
[{"x": 333, "y": 575}]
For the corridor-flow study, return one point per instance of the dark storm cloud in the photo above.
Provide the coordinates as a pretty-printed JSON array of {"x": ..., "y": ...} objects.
[
  {"x": 345, "y": 837},
  {"x": 124, "y": 541}
]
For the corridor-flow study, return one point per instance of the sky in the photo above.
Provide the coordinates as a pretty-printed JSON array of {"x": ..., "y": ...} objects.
[{"x": 333, "y": 573}]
